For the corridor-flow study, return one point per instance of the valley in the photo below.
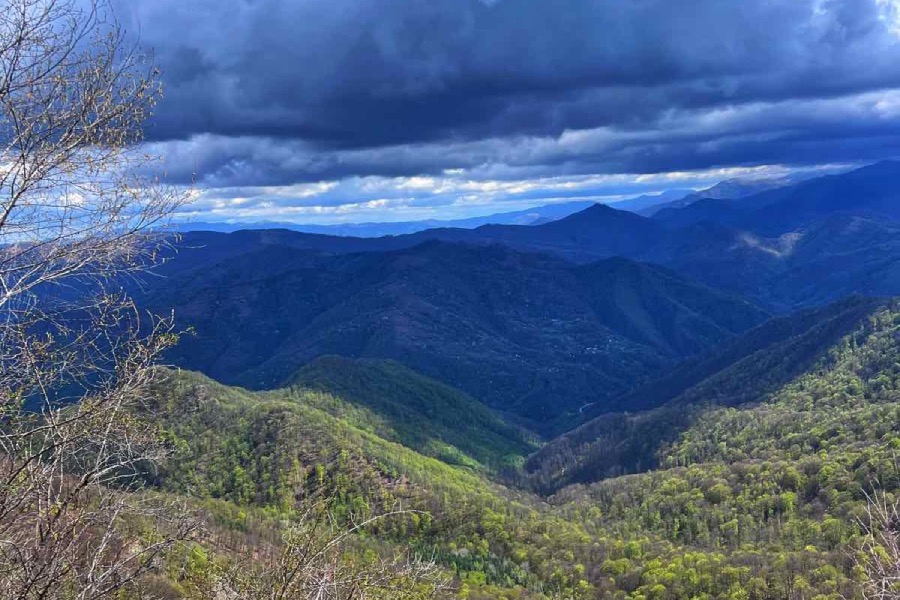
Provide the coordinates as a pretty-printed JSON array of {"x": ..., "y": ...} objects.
[
  {"x": 748, "y": 494},
  {"x": 602, "y": 406}
]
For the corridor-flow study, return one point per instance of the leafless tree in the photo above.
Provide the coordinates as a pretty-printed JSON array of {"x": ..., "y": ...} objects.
[
  {"x": 314, "y": 562},
  {"x": 880, "y": 555},
  {"x": 76, "y": 355}
]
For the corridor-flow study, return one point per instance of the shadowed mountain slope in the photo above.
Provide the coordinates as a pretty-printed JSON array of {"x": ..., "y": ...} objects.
[
  {"x": 872, "y": 191},
  {"x": 399, "y": 405},
  {"x": 526, "y": 333},
  {"x": 799, "y": 245},
  {"x": 746, "y": 370}
]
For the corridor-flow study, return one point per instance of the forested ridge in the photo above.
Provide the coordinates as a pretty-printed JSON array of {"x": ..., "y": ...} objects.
[
  {"x": 745, "y": 370},
  {"x": 756, "y": 498},
  {"x": 526, "y": 333}
]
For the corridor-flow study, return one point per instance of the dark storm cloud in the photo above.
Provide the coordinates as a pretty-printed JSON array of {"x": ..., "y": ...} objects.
[
  {"x": 276, "y": 92},
  {"x": 366, "y": 72},
  {"x": 855, "y": 128}
]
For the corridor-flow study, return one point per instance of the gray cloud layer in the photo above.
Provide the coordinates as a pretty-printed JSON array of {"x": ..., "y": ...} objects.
[{"x": 276, "y": 92}]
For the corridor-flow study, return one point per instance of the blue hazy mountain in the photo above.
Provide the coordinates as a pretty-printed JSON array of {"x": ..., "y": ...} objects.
[
  {"x": 649, "y": 202},
  {"x": 797, "y": 245},
  {"x": 531, "y": 216},
  {"x": 730, "y": 189},
  {"x": 872, "y": 191}
]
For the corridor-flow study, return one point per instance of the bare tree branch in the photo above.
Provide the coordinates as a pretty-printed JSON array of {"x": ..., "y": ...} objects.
[
  {"x": 76, "y": 355},
  {"x": 879, "y": 558}
]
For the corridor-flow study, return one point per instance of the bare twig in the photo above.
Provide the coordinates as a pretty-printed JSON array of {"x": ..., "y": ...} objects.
[
  {"x": 879, "y": 558},
  {"x": 76, "y": 355}
]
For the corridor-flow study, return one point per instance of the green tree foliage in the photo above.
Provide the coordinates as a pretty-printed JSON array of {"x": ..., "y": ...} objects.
[
  {"x": 759, "y": 500},
  {"x": 400, "y": 405}
]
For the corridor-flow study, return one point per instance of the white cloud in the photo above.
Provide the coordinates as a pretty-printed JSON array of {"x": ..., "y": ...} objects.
[
  {"x": 889, "y": 13},
  {"x": 400, "y": 199}
]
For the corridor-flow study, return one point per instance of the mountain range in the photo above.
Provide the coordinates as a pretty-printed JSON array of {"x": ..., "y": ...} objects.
[
  {"x": 537, "y": 321},
  {"x": 698, "y": 403},
  {"x": 526, "y": 333},
  {"x": 530, "y": 216},
  {"x": 749, "y": 476},
  {"x": 778, "y": 248},
  {"x": 869, "y": 192},
  {"x": 651, "y": 202}
]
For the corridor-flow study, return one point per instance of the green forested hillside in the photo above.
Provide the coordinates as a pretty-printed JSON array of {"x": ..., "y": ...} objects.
[
  {"x": 781, "y": 482},
  {"x": 272, "y": 450},
  {"x": 400, "y": 405},
  {"x": 759, "y": 499},
  {"x": 747, "y": 370}
]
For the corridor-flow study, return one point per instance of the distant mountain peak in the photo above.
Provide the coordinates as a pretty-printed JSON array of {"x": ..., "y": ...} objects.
[{"x": 598, "y": 212}]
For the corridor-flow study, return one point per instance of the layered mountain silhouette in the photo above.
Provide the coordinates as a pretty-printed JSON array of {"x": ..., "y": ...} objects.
[
  {"x": 730, "y": 189},
  {"x": 629, "y": 433},
  {"x": 871, "y": 191},
  {"x": 648, "y": 204},
  {"x": 531, "y": 216},
  {"x": 526, "y": 333},
  {"x": 538, "y": 321},
  {"x": 778, "y": 247},
  {"x": 794, "y": 246}
]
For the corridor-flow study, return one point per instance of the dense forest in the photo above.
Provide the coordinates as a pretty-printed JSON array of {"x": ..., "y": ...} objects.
[
  {"x": 526, "y": 333},
  {"x": 759, "y": 498}
]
